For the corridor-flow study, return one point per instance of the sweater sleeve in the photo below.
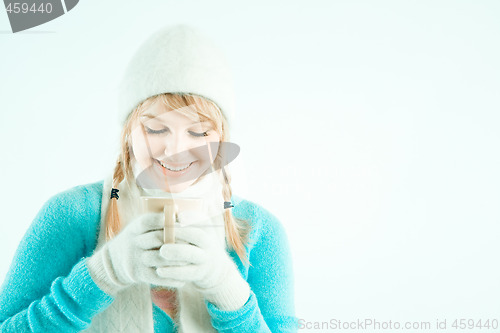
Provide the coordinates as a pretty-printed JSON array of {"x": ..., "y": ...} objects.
[
  {"x": 48, "y": 287},
  {"x": 270, "y": 307}
]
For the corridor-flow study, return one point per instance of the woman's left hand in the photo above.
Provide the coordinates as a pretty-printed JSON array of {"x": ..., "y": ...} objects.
[{"x": 207, "y": 265}]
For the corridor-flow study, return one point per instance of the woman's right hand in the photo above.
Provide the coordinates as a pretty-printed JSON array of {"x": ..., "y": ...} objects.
[{"x": 131, "y": 257}]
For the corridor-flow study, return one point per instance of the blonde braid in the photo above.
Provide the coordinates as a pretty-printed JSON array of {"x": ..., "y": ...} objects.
[
  {"x": 122, "y": 169},
  {"x": 237, "y": 231}
]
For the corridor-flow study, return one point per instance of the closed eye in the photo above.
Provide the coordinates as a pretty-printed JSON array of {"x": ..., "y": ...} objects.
[
  {"x": 152, "y": 131},
  {"x": 198, "y": 134}
]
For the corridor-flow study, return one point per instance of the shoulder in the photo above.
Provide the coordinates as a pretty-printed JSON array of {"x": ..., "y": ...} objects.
[
  {"x": 76, "y": 200},
  {"x": 69, "y": 216},
  {"x": 265, "y": 226},
  {"x": 77, "y": 208}
]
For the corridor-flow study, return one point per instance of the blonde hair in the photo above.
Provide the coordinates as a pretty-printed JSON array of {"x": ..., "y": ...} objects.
[{"x": 237, "y": 230}]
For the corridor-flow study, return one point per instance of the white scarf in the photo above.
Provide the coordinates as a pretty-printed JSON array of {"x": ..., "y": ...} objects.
[{"x": 132, "y": 309}]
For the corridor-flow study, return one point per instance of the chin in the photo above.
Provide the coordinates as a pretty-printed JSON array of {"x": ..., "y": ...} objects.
[{"x": 178, "y": 187}]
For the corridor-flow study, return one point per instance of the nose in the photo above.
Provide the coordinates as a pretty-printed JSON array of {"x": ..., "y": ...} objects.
[{"x": 176, "y": 147}]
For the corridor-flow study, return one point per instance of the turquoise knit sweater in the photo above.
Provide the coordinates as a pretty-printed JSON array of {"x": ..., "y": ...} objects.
[{"x": 48, "y": 287}]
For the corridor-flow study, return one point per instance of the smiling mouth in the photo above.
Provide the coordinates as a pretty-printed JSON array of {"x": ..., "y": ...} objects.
[{"x": 174, "y": 168}]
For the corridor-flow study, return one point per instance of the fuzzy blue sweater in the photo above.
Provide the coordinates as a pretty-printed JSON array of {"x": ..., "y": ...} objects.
[{"x": 48, "y": 287}]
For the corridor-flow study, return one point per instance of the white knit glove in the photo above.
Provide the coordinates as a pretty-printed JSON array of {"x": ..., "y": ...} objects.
[
  {"x": 210, "y": 268},
  {"x": 132, "y": 256}
]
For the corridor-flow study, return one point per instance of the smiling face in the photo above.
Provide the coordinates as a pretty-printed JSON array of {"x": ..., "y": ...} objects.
[{"x": 172, "y": 148}]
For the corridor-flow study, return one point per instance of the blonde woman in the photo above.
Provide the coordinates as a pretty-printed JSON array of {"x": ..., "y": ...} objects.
[{"x": 94, "y": 261}]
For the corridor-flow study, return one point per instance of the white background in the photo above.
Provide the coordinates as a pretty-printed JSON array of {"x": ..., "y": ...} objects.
[{"x": 369, "y": 128}]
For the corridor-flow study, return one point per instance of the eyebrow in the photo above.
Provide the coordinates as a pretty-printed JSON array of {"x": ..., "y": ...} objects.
[{"x": 152, "y": 116}]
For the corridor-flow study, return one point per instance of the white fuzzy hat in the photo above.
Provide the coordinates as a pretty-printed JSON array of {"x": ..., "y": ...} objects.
[{"x": 177, "y": 59}]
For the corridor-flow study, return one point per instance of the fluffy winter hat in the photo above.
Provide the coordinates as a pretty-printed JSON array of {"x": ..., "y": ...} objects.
[{"x": 177, "y": 59}]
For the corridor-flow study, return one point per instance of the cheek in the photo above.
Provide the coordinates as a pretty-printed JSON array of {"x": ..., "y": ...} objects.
[
  {"x": 207, "y": 153},
  {"x": 213, "y": 141},
  {"x": 156, "y": 146},
  {"x": 214, "y": 149},
  {"x": 143, "y": 146},
  {"x": 138, "y": 144}
]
